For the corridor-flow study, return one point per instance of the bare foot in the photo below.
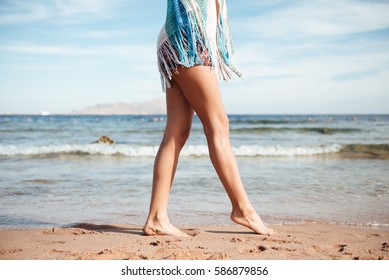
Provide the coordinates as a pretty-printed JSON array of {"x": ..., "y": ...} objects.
[
  {"x": 254, "y": 223},
  {"x": 163, "y": 230}
]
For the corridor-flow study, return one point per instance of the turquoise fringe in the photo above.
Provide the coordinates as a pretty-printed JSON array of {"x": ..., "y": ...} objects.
[{"x": 188, "y": 39}]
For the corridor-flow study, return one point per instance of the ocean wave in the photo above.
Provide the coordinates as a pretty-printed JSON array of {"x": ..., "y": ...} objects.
[
  {"x": 136, "y": 151},
  {"x": 320, "y": 130},
  {"x": 372, "y": 150},
  {"x": 264, "y": 121},
  {"x": 150, "y": 151},
  {"x": 87, "y": 149},
  {"x": 249, "y": 130}
]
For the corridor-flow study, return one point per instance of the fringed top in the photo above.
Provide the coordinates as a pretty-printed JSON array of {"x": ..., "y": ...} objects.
[{"x": 196, "y": 32}]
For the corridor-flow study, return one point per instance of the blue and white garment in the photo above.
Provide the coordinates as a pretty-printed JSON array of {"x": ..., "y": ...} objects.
[{"x": 196, "y": 32}]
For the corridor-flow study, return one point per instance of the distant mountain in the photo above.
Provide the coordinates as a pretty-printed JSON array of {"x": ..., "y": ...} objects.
[{"x": 155, "y": 106}]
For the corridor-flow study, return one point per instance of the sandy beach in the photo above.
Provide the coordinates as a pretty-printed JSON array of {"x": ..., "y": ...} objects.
[{"x": 126, "y": 242}]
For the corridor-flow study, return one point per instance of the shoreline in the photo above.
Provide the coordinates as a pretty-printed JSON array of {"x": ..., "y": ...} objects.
[
  {"x": 100, "y": 225},
  {"x": 309, "y": 241}
]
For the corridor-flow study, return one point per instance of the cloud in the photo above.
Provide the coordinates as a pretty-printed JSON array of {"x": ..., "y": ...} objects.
[
  {"x": 96, "y": 7},
  {"x": 307, "y": 19},
  {"x": 22, "y": 11},
  {"x": 105, "y": 34},
  {"x": 312, "y": 54},
  {"x": 315, "y": 39},
  {"x": 139, "y": 51}
]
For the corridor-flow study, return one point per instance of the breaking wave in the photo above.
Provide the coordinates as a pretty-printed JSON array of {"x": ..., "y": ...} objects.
[{"x": 137, "y": 151}]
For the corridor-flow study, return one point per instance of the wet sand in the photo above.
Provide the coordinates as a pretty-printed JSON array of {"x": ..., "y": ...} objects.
[{"x": 126, "y": 242}]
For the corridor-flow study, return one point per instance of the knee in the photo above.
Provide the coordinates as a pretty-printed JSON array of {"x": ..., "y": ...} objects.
[
  {"x": 218, "y": 128},
  {"x": 176, "y": 137}
]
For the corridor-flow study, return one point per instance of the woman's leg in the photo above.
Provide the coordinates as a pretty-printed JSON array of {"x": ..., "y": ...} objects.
[
  {"x": 178, "y": 125},
  {"x": 200, "y": 87}
]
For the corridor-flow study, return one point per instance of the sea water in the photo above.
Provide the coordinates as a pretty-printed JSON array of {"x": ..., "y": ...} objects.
[{"x": 295, "y": 168}]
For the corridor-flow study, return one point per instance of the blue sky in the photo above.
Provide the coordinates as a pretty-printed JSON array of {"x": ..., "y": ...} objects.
[{"x": 317, "y": 56}]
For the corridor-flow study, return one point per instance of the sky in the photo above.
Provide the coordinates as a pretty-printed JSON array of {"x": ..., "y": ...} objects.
[{"x": 297, "y": 57}]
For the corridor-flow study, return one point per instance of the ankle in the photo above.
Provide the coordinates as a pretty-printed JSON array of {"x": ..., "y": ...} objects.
[
  {"x": 158, "y": 219},
  {"x": 241, "y": 212}
]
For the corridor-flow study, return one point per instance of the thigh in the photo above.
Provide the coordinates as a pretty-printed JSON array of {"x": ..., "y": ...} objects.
[
  {"x": 179, "y": 111},
  {"x": 201, "y": 89}
]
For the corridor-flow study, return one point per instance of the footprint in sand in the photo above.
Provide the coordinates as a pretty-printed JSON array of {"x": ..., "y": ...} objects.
[
  {"x": 112, "y": 254},
  {"x": 164, "y": 242},
  {"x": 235, "y": 240},
  {"x": 57, "y": 251},
  {"x": 68, "y": 231},
  {"x": 10, "y": 251},
  {"x": 283, "y": 249},
  {"x": 196, "y": 255},
  {"x": 58, "y": 242},
  {"x": 82, "y": 231},
  {"x": 156, "y": 243},
  {"x": 192, "y": 232},
  {"x": 259, "y": 249},
  {"x": 256, "y": 250},
  {"x": 342, "y": 248}
]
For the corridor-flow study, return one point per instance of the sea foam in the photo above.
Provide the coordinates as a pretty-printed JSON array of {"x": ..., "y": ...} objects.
[{"x": 150, "y": 151}]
